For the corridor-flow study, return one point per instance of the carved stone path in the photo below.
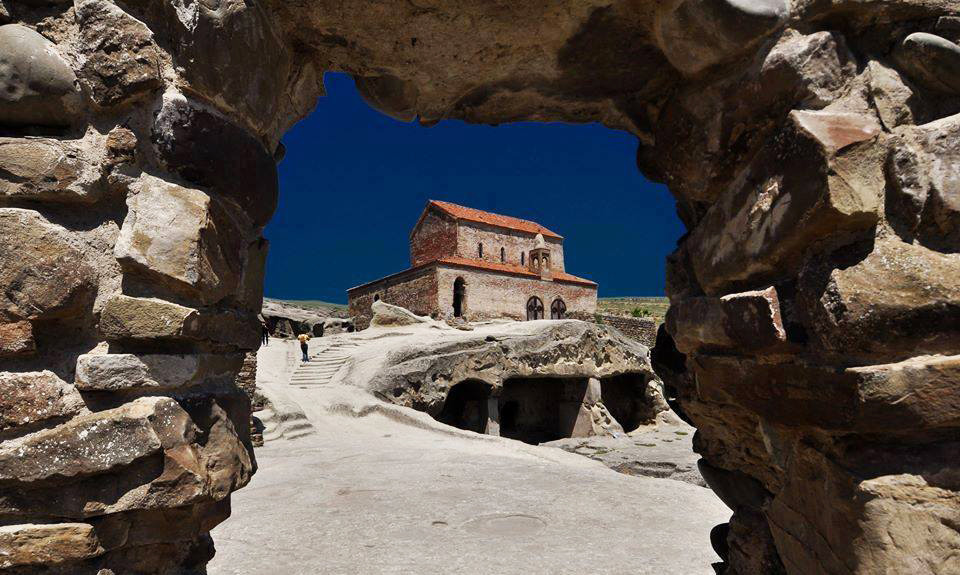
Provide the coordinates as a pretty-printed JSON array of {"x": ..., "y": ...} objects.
[{"x": 390, "y": 492}]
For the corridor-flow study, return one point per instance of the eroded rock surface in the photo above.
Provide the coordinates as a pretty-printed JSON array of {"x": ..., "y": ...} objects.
[
  {"x": 811, "y": 148},
  {"x": 533, "y": 381}
]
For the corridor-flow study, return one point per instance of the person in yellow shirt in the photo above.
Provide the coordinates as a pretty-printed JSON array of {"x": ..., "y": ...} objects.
[{"x": 304, "y": 338}]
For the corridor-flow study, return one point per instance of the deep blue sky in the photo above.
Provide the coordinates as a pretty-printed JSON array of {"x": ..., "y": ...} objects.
[{"x": 354, "y": 182}]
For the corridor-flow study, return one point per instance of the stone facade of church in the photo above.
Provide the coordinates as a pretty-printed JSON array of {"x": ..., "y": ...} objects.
[{"x": 478, "y": 265}]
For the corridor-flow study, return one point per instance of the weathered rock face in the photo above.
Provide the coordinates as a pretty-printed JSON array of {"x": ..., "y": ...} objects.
[
  {"x": 533, "y": 381},
  {"x": 811, "y": 147},
  {"x": 287, "y": 320}
]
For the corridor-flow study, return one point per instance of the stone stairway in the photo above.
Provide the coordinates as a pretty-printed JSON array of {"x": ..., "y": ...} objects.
[{"x": 324, "y": 363}]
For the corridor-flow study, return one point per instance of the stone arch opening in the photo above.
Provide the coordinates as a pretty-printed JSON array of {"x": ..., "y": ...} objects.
[
  {"x": 534, "y": 308},
  {"x": 459, "y": 297},
  {"x": 558, "y": 309},
  {"x": 466, "y": 406},
  {"x": 819, "y": 285}
]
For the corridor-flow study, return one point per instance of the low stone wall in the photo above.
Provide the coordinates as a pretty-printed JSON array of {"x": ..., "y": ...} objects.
[
  {"x": 247, "y": 382},
  {"x": 641, "y": 329}
]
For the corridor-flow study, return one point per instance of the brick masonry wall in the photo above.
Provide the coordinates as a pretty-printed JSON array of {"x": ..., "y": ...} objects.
[
  {"x": 416, "y": 291},
  {"x": 641, "y": 329},
  {"x": 514, "y": 243},
  {"x": 494, "y": 295},
  {"x": 435, "y": 238}
]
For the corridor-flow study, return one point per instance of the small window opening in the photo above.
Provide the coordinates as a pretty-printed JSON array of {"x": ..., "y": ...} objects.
[
  {"x": 480, "y": 249},
  {"x": 503, "y": 255}
]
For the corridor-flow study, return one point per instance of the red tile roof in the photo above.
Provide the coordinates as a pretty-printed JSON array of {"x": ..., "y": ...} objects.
[
  {"x": 480, "y": 216},
  {"x": 512, "y": 269}
]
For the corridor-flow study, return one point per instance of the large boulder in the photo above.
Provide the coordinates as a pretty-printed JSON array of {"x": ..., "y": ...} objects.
[
  {"x": 45, "y": 169},
  {"x": 696, "y": 34},
  {"x": 181, "y": 237},
  {"x": 194, "y": 143},
  {"x": 37, "y": 86},
  {"x": 931, "y": 60},
  {"x": 822, "y": 177},
  {"x": 136, "y": 319},
  {"x": 121, "y": 59},
  {"x": 47, "y": 545},
  {"x": 118, "y": 372},
  {"x": 900, "y": 300},
  {"x": 42, "y": 274},
  {"x": 923, "y": 169},
  {"x": 387, "y": 315},
  {"x": 35, "y": 397}
]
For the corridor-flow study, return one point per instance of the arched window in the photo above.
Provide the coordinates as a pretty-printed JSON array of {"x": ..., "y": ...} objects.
[
  {"x": 558, "y": 309},
  {"x": 480, "y": 249},
  {"x": 503, "y": 255},
  {"x": 376, "y": 297},
  {"x": 534, "y": 308},
  {"x": 523, "y": 259},
  {"x": 459, "y": 297}
]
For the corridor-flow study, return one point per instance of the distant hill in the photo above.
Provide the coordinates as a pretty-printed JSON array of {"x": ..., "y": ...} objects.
[
  {"x": 321, "y": 307},
  {"x": 654, "y": 308}
]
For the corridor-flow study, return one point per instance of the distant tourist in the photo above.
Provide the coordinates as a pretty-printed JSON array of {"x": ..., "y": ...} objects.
[
  {"x": 304, "y": 338},
  {"x": 264, "y": 334}
]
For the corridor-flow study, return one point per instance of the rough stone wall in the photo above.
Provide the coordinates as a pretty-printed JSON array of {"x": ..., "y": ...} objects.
[
  {"x": 131, "y": 270},
  {"x": 811, "y": 147},
  {"x": 436, "y": 237},
  {"x": 470, "y": 234},
  {"x": 492, "y": 295},
  {"x": 415, "y": 291},
  {"x": 640, "y": 329}
]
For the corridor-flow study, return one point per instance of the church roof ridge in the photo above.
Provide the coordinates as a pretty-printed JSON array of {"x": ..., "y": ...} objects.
[{"x": 492, "y": 219}]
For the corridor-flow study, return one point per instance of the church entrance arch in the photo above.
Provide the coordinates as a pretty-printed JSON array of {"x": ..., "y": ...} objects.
[{"x": 459, "y": 296}]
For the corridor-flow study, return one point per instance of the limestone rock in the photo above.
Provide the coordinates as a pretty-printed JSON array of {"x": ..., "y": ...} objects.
[
  {"x": 41, "y": 274},
  {"x": 154, "y": 372},
  {"x": 193, "y": 142},
  {"x": 122, "y": 60},
  {"x": 874, "y": 506},
  {"x": 48, "y": 170},
  {"x": 387, "y": 315},
  {"x": 812, "y": 68},
  {"x": 891, "y": 95},
  {"x": 47, "y": 545},
  {"x": 696, "y": 34},
  {"x": 37, "y": 86},
  {"x": 440, "y": 370},
  {"x": 131, "y": 319},
  {"x": 16, "y": 339},
  {"x": 174, "y": 234},
  {"x": 30, "y": 398},
  {"x": 901, "y": 300},
  {"x": 96, "y": 443},
  {"x": 747, "y": 321},
  {"x": 924, "y": 198},
  {"x": 931, "y": 60},
  {"x": 779, "y": 205},
  {"x": 914, "y": 394}
]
